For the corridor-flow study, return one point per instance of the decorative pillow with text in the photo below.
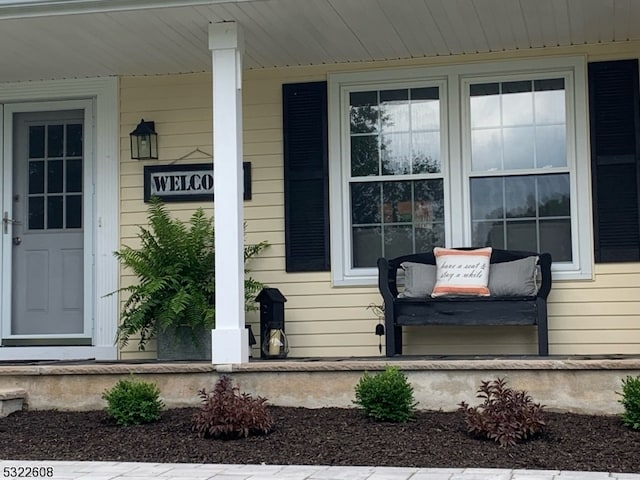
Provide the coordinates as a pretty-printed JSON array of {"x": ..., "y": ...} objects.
[{"x": 462, "y": 272}]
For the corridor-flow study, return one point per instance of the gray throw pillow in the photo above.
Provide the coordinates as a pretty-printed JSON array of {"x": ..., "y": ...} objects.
[
  {"x": 419, "y": 280},
  {"x": 516, "y": 278}
]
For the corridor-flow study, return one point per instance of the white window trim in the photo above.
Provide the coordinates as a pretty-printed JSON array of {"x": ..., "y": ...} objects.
[{"x": 455, "y": 156}]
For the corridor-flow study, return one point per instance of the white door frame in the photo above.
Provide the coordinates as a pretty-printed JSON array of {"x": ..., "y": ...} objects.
[{"x": 98, "y": 97}]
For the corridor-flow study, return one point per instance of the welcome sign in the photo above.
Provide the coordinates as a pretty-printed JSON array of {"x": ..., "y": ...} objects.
[{"x": 186, "y": 182}]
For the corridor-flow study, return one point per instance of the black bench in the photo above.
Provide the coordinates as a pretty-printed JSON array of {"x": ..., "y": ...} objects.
[{"x": 491, "y": 310}]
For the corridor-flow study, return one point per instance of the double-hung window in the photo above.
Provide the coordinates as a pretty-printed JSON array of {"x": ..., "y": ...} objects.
[{"x": 476, "y": 155}]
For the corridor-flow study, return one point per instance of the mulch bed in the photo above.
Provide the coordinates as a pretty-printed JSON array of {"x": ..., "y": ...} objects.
[{"x": 326, "y": 436}]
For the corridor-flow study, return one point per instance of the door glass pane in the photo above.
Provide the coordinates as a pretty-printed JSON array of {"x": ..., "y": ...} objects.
[
  {"x": 36, "y": 176},
  {"x": 74, "y": 175},
  {"x": 54, "y": 211},
  {"x": 36, "y": 141},
  {"x": 36, "y": 213},
  {"x": 74, "y": 211},
  {"x": 55, "y": 176},
  {"x": 74, "y": 140},
  {"x": 55, "y": 138}
]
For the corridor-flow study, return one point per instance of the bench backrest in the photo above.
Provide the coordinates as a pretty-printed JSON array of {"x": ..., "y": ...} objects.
[{"x": 388, "y": 268}]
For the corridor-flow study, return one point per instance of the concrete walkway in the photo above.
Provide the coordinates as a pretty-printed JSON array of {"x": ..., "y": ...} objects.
[{"x": 17, "y": 470}]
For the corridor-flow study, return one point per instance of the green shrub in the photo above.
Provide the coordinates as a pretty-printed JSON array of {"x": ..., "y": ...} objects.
[
  {"x": 225, "y": 413},
  {"x": 506, "y": 416},
  {"x": 132, "y": 402},
  {"x": 631, "y": 402},
  {"x": 386, "y": 396}
]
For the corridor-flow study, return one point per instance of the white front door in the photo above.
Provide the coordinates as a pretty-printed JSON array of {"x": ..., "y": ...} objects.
[{"x": 46, "y": 222}]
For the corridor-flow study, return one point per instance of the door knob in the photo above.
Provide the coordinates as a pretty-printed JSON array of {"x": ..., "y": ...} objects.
[{"x": 17, "y": 240}]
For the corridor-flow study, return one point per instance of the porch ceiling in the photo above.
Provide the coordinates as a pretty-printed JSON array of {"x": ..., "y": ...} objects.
[{"x": 51, "y": 39}]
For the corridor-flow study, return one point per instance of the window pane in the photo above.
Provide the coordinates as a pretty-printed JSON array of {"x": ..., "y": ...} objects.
[
  {"x": 367, "y": 246},
  {"x": 74, "y": 140},
  {"x": 54, "y": 176},
  {"x": 365, "y": 203},
  {"x": 555, "y": 238},
  {"x": 36, "y": 141},
  {"x": 397, "y": 241},
  {"x": 396, "y": 202},
  {"x": 486, "y": 150},
  {"x": 425, "y": 109},
  {"x": 55, "y": 137},
  {"x": 396, "y": 154},
  {"x": 74, "y": 211},
  {"x": 522, "y": 235},
  {"x": 54, "y": 211},
  {"x": 36, "y": 213},
  {"x": 488, "y": 234},
  {"x": 517, "y": 109},
  {"x": 549, "y": 103},
  {"x": 425, "y": 149},
  {"x": 553, "y": 195},
  {"x": 394, "y": 110},
  {"x": 364, "y": 112},
  {"x": 428, "y": 201},
  {"x": 487, "y": 198},
  {"x": 74, "y": 175},
  {"x": 429, "y": 236},
  {"x": 518, "y": 147},
  {"x": 520, "y": 196},
  {"x": 551, "y": 146},
  {"x": 364, "y": 156},
  {"x": 485, "y": 105},
  {"x": 36, "y": 177}
]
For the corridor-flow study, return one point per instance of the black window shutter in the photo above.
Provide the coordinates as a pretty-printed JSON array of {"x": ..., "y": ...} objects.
[
  {"x": 614, "y": 111},
  {"x": 306, "y": 176}
]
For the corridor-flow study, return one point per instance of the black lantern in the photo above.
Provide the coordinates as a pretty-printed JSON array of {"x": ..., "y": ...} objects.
[
  {"x": 273, "y": 340},
  {"x": 144, "y": 141}
]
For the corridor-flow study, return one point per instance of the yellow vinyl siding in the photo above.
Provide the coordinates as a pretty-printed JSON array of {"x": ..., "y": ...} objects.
[{"x": 599, "y": 316}]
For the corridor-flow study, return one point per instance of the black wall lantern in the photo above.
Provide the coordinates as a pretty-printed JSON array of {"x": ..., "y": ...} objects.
[
  {"x": 273, "y": 341},
  {"x": 144, "y": 141}
]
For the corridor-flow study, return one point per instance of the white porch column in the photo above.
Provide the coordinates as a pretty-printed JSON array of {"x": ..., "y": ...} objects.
[{"x": 230, "y": 342}]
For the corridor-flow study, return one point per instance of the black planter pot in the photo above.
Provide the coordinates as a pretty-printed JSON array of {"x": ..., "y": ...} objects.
[{"x": 183, "y": 343}]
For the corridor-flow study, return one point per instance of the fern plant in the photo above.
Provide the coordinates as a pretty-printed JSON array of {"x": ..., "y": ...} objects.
[{"x": 176, "y": 273}]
